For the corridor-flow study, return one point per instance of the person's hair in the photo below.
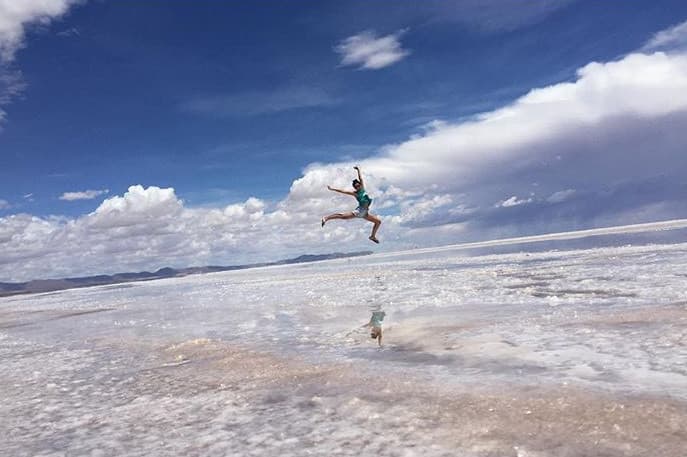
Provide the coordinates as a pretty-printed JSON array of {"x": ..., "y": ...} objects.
[{"x": 355, "y": 181}]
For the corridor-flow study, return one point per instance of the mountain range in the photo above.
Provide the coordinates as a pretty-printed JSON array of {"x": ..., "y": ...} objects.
[{"x": 51, "y": 285}]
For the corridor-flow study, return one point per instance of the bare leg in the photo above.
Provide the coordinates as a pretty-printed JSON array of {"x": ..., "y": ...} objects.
[
  {"x": 377, "y": 222},
  {"x": 337, "y": 216}
]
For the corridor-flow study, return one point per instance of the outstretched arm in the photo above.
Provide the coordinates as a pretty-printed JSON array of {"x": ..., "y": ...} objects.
[
  {"x": 360, "y": 176},
  {"x": 347, "y": 192}
]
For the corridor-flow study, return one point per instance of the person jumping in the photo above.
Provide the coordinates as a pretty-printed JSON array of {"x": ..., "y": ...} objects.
[{"x": 363, "y": 209}]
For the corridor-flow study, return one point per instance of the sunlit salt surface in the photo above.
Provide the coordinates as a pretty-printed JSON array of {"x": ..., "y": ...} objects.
[{"x": 531, "y": 352}]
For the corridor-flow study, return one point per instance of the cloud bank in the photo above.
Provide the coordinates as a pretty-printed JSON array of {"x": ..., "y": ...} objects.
[{"x": 148, "y": 226}]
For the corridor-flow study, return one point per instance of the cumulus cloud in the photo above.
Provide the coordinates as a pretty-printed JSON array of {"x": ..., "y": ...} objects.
[
  {"x": 370, "y": 52},
  {"x": 422, "y": 211},
  {"x": 83, "y": 195},
  {"x": 150, "y": 227},
  {"x": 674, "y": 38},
  {"x": 617, "y": 122},
  {"x": 638, "y": 86},
  {"x": 15, "y": 16}
]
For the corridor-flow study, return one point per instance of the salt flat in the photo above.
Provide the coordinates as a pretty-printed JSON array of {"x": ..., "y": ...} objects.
[{"x": 568, "y": 352}]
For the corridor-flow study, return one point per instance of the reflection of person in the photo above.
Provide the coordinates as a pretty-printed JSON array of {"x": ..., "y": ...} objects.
[
  {"x": 363, "y": 209},
  {"x": 376, "y": 325}
]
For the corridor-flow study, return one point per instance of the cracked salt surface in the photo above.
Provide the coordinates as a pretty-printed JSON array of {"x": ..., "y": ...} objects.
[{"x": 566, "y": 353}]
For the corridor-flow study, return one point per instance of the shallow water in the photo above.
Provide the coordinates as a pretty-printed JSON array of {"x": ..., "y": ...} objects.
[{"x": 529, "y": 353}]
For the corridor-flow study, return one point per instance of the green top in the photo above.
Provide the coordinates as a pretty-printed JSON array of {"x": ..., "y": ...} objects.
[
  {"x": 377, "y": 318},
  {"x": 363, "y": 199}
]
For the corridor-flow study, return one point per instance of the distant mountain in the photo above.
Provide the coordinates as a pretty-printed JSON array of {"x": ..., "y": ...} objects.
[{"x": 51, "y": 285}]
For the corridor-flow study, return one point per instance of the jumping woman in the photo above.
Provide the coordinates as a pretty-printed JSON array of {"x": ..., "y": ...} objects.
[{"x": 363, "y": 209}]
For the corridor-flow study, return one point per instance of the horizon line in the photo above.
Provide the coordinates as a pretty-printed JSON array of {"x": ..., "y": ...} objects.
[{"x": 673, "y": 224}]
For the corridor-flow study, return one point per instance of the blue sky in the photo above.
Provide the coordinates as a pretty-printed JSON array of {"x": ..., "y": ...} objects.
[{"x": 118, "y": 120}]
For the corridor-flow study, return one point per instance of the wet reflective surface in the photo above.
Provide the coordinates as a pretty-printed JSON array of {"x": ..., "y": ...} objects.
[{"x": 529, "y": 353}]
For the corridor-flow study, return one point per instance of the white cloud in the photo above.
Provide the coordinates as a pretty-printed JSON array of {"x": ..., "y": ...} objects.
[
  {"x": 617, "y": 120},
  {"x": 645, "y": 86},
  {"x": 137, "y": 206},
  {"x": 15, "y": 16},
  {"x": 368, "y": 51},
  {"x": 4, "y": 204},
  {"x": 150, "y": 227},
  {"x": 669, "y": 39},
  {"x": 82, "y": 195},
  {"x": 513, "y": 201},
  {"x": 415, "y": 211}
]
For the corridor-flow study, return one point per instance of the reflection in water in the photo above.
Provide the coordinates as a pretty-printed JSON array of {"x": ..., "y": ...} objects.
[
  {"x": 378, "y": 296},
  {"x": 375, "y": 325}
]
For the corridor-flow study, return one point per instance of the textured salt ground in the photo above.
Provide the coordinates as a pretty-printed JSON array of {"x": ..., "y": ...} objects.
[
  {"x": 545, "y": 354},
  {"x": 205, "y": 397}
]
